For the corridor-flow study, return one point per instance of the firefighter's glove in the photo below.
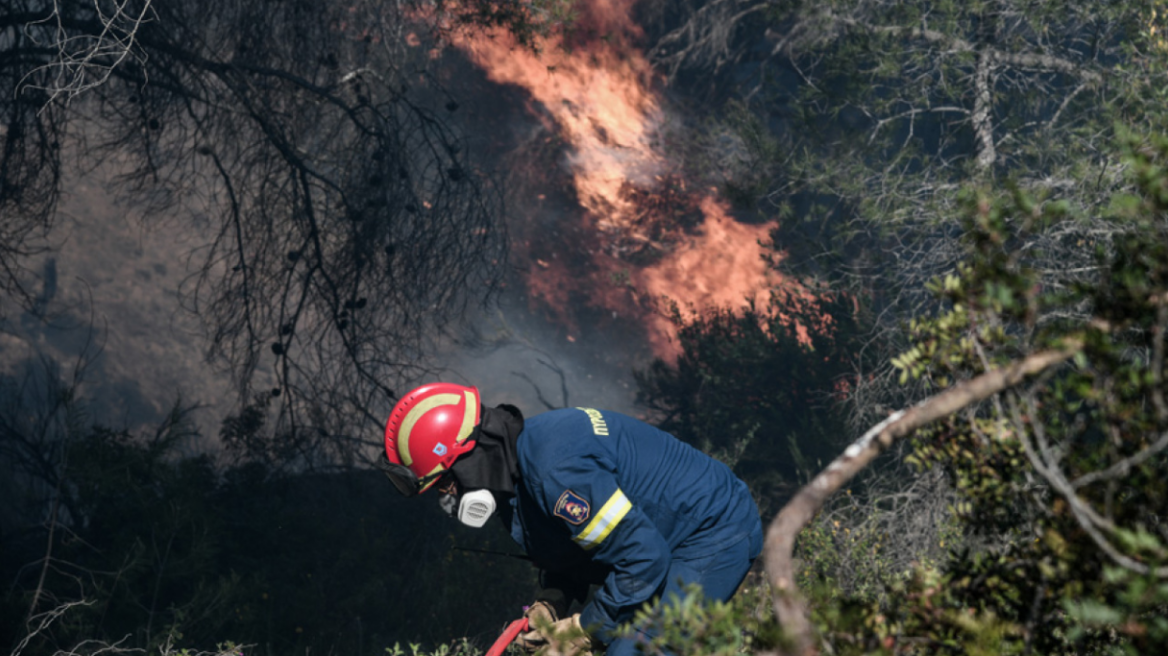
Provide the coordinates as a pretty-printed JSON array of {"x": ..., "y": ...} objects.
[
  {"x": 540, "y": 616},
  {"x": 559, "y": 638}
]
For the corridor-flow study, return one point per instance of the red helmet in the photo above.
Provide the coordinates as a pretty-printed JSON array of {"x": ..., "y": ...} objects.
[{"x": 427, "y": 432}]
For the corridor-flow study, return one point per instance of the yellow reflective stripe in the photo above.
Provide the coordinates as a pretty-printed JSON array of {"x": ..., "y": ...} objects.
[
  {"x": 468, "y": 417},
  {"x": 610, "y": 514},
  {"x": 412, "y": 417}
]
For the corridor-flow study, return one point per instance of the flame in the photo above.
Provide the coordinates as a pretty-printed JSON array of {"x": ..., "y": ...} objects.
[
  {"x": 724, "y": 265},
  {"x": 646, "y": 235},
  {"x": 598, "y": 95}
]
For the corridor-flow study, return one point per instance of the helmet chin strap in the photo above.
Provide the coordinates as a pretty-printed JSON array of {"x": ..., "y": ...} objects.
[
  {"x": 448, "y": 503},
  {"x": 490, "y": 469}
]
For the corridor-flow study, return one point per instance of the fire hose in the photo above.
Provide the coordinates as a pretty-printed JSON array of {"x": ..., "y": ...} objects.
[{"x": 509, "y": 634}]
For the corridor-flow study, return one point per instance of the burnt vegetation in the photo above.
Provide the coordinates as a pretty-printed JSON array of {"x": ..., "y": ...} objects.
[
  {"x": 118, "y": 542},
  {"x": 349, "y": 226}
]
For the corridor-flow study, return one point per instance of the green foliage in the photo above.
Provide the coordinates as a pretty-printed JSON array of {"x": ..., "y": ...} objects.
[
  {"x": 1061, "y": 482},
  {"x": 865, "y": 545},
  {"x": 461, "y": 647},
  {"x": 696, "y": 626},
  {"x": 825, "y": 547},
  {"x": 868, "y": 119}
]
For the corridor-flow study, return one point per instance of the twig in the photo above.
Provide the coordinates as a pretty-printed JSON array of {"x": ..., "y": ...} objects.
[
  {"x": 87, "y": 61},
  {"x": 46, "y": 620}
]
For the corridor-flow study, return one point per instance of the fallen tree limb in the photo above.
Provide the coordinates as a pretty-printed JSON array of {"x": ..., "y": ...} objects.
[{"x": 790, "y": 607}]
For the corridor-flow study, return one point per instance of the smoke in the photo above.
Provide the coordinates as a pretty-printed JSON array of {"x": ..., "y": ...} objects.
[
  {"x": 109, "y": 306},
  {"x": 109, "y": 303}
]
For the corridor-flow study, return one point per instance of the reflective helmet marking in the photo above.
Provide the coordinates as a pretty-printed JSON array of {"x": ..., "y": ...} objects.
[
  {"x": 425, "y": 405},
  {"x": 468, "y": 417},
  {"x": 412, "y": 417}
]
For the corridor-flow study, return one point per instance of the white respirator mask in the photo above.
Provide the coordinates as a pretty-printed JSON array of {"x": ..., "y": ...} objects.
[{"x": 473, "y": 508}]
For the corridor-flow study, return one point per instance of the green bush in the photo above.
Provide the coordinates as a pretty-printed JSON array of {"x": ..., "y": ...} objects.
[
  {"x": 1060, "y": 484},
  {"x": 695, "y": 626}
]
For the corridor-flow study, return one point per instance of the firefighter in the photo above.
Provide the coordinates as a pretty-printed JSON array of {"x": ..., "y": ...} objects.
[{"x": 592, "y": 497}]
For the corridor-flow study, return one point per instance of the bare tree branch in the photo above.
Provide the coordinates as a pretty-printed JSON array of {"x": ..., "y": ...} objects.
[
  {"x": 982, "y": 119},
  {"x": 1088, "y": 519},
  {"x": 44, "y": 620},
  {"x": 1029, "y": 60},
  {"x": 85, "y": 61}
]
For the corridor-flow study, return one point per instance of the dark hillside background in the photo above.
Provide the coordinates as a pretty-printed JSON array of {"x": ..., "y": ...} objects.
[{"x": 168, "y": 545}]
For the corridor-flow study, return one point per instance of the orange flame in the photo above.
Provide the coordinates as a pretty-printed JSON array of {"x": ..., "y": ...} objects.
[
  {"x": 723, "y": 266},
  {"x": 600, "y": 98}
]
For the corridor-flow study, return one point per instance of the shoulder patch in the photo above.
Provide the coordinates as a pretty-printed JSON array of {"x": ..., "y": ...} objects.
[{"x": 572, "y": 508}]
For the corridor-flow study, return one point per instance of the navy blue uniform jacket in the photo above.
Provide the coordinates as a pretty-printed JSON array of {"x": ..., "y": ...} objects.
[{"x": 599, "y": 487}]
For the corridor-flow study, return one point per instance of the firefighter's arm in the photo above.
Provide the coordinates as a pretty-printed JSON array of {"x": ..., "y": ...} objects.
[{"x": 602, "y": 520}]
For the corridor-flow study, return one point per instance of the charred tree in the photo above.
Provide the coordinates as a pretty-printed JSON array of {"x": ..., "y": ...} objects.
[{"x": 348, "y": 224}]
